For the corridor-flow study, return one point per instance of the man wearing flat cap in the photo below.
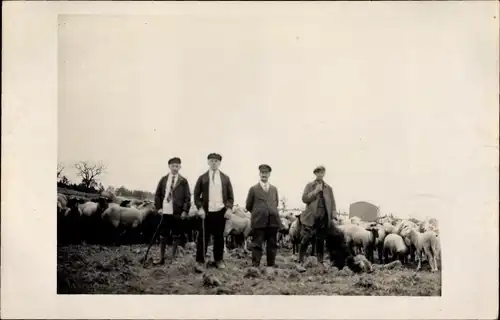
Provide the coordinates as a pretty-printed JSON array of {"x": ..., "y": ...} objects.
[
  {"x": 172, "y": 200},
  {"x": 316, "y": 219},
  {"x": 262, "y": 202},
  {"x": 214, "y": 199}
]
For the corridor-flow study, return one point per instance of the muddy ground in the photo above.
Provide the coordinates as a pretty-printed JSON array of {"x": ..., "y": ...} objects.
[{"x": 117, "y": 270}]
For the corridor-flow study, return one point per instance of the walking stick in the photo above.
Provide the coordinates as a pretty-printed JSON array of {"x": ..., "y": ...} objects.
[
  {"x": 203, "y": 237},
  {"x": 152, "y": 241}
]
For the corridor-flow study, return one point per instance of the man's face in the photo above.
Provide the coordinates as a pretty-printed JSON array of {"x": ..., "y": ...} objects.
[
  {"x": 214, "y": 164},
  {"x": 264, "y": 175},
  {"x": 320, "y": 175},
  {"x": 174, "y": 167}
]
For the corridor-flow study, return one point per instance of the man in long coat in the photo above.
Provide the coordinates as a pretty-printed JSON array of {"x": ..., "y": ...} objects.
[
  {"x": 317, "y": 218},
  {"x": 262, "y": 201},
  {"x": 214, "y": 199}
]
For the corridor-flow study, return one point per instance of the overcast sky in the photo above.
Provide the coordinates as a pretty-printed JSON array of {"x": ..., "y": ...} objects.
[{"x": 390, "y": 108}]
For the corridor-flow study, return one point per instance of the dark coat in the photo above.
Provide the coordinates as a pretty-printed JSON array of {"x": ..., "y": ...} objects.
[
  {"x": 181, "y": 196},
  {"x": 203, "y": 185},
  {"x": 263, "y": 207},
  {"x": 307, "y": 217}
]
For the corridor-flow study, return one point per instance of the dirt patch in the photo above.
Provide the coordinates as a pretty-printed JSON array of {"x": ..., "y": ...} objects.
[{"x": 117, "y": 270}]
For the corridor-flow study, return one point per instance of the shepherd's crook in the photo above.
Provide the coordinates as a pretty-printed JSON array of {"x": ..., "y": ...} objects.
[
  {"x": 203, "y": 237},
  {"x": 152, "y": 241}
]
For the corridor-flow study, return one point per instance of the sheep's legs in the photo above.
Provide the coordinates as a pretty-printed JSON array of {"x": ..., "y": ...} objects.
[{"x": 418, "y": 256}]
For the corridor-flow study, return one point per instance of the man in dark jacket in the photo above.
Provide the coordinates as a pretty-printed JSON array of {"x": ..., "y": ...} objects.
[
  {"x": 214, "y": 199},
  {"x": 262, "y": 202},
  {"x": 172, "y": 200},
  {"x": 316, "y": 219}
]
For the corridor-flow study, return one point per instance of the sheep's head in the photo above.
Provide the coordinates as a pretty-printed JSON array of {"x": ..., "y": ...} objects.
[
  {"x": 374, "y": 232},
  {"x": 125, "y": 203},
  {"x": 73, "y": 208},
  {"x": 103, "y": 203}
]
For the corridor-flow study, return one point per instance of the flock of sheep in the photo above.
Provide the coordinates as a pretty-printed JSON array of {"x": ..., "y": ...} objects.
[{"x": 110, "y": 219}]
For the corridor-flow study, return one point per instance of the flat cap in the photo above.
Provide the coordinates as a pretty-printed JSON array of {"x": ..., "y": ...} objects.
[
  {"x": 174, "y": 160},
  {"x": 319, "y": 168},
  {"x": 214, "y": 156},
  {"x": 265, "y": 167}
]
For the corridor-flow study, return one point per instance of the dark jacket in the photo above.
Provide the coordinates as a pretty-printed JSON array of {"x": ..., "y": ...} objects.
[
  {"x": 201, "y": 191},
  {"x": 308, "y": 216},
  {"x": 181, "y": 196},
  {"x": 263, "y": 206}
]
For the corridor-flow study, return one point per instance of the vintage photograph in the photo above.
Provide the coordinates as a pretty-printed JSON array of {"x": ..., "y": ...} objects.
[{"x": 221, "y": 156}]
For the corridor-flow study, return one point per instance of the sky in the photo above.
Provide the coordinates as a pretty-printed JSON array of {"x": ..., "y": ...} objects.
[{"x": 391, "y": 108}]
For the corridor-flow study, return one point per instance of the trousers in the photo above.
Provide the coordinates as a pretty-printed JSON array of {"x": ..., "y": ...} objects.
[
  {"x": 214, "y": 226},
  {"x": 270, "y": 236},
  {"x": 319, "y": 232}
]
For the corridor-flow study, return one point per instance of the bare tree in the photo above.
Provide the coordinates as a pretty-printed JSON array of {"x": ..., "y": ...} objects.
[
  {"x": 60, "y": 168},
  {"x": 89, "y": 172}
]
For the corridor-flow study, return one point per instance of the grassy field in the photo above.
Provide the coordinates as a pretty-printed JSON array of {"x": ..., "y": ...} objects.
[{"x": 117, "y": 270}]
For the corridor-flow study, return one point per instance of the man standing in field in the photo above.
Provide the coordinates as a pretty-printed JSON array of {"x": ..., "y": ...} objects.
[
  {"x": 172, "y": 200},
  {"x": 262, "y": 201},
  {"x": 317, "y": 217},
  {"x": 214, "y": 199}
]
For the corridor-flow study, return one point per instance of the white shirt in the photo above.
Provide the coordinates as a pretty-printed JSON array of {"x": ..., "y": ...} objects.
[
  {"x": 264, "y": 185},
  {"x": 167, "y": 205},
  {"x": 215, "y": 200}
]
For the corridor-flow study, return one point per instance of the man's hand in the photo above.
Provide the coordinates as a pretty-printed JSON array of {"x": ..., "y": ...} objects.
[
  {"x": 201, "y": 213},
  {"x": 228, "y": 214},
  {"x": 319, "y": 187},
  {"x": 184, "y": 215}
]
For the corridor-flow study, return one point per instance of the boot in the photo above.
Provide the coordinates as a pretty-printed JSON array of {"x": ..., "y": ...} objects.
[
  {"x": 162, "y": 254},
  {"x": 271, "y": 257},
  {"x": 256, "y": 256}
]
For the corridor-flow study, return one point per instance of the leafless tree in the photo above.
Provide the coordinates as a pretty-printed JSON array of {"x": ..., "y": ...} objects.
[
  {"x": 89, "y": 172},
  {"x": 60, "y": 168}
]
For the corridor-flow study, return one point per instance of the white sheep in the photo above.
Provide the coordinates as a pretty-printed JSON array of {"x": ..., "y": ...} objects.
[
  {"x": 359, "y": 239},
  {"x": 238, "y": 226},
  {"x": 395, "y": 248},
  {"x": 355, "y": 220},
  {"x": 427, "y": 244},
  {"x": 126, "y": 219},
  {"x": 295, "y": 235}
]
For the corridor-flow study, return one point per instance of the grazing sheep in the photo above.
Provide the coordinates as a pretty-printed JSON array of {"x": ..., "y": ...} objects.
[
  {"x": 341, "y": 220},
  {"x": 427, "y": 244},
  {"x": 238, "y": 227},
  {"x": 62, "y": 202},
  {"x": 363, "y": 236},
  {"x": 68, "y": 221},
  {"x": 365, "y": 239},
  {"x": 395, "y": 248},
  {"x": 337, "y": 248},
  {"x": 404, "y": 226},
  {"x": 91, "y": 223},
  {"x": 240, "y": 212},
  {"x": 383, "y": 230},
  {"x": 295, "y": 234},
  {"x": 355, "y": 220},
  {"x": 126, "y": 220},
  {"x": 283, "y": 231},
  {"x": 110, "y": 196}
]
